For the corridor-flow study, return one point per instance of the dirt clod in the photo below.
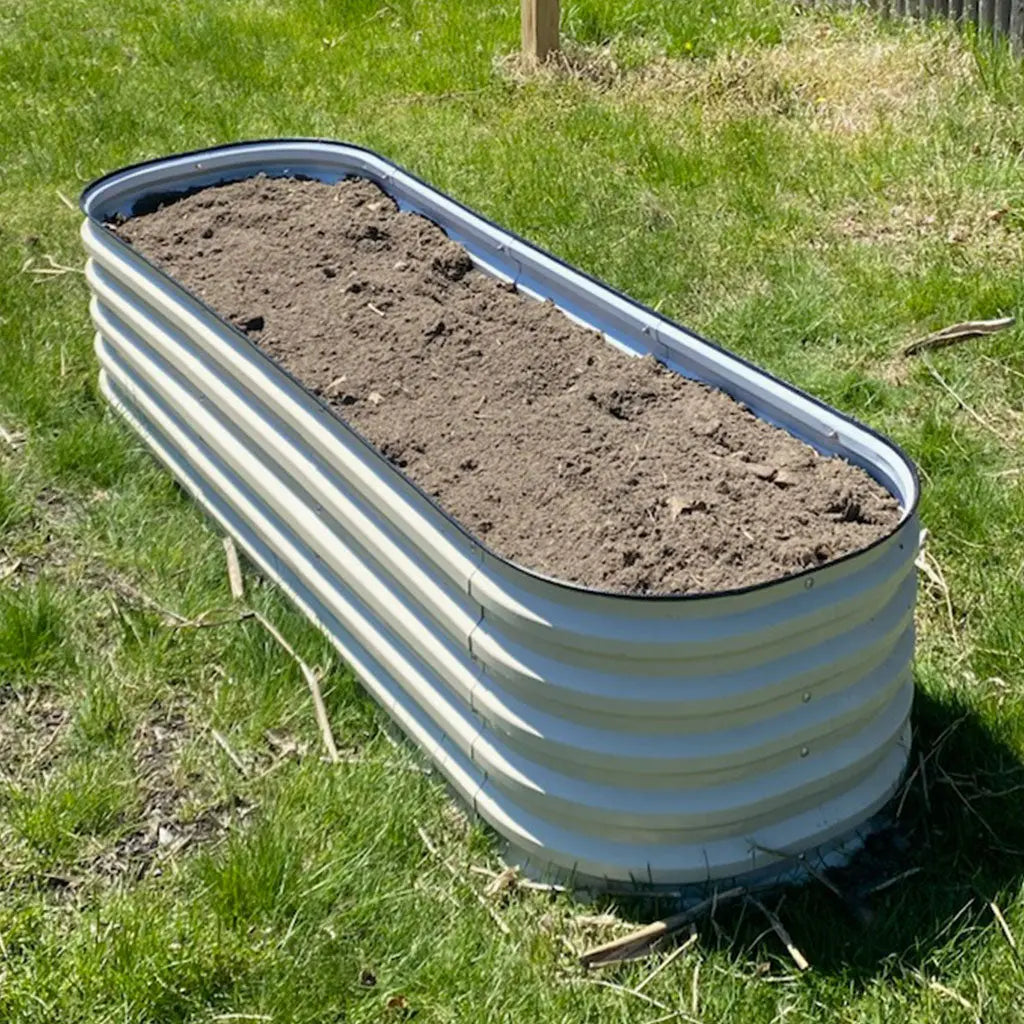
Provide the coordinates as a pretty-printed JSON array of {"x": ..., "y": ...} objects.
[{"x": 531, "y": 431}]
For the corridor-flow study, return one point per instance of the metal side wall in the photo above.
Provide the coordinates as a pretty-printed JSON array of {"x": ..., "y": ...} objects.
[{"x": 664, "y": 741}]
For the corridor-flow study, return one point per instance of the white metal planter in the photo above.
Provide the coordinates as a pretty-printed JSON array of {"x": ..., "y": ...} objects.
[{"x": 617, "y": 739}]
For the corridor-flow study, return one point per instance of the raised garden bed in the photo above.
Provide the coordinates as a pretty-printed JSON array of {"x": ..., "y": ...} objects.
[{"x": 754, "y": 699}]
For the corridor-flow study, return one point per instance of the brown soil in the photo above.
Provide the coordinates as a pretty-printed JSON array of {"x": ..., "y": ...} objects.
[{"x": 558, "y": 451}]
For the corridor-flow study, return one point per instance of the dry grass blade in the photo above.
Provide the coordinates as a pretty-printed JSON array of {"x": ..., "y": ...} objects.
[
  {"x": 434, "y": 852},
  {"x": 950, "y": 993},
  {"x": 926, "y": 562},
  {"x": 242, "y": 1016},
  {"x": 234, "y": 569},
  {"x": 1004, "y": 927},
  {"x": 52, "y": 269},
  {"x": 784, "y": 937},
  {"x": 640, "y": 941},
  {"x": 504, "y": 882},
  {"x": 958, "y": 332},
  {"x": 521, "y": 883},
  {"x": 14, "y": 439},
  {"x": 226, "y": 747},
  {"x": 635, "y": 993},
  {"x": 691, "y": 940},
  {"x": 945, "y": 385},
  {"x": 311, "y": 681}
]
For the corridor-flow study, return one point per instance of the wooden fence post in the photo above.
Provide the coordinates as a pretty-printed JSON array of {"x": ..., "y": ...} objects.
[
  {"x": 540, "y": 27},
  {"x": 1017, "y": 26}
]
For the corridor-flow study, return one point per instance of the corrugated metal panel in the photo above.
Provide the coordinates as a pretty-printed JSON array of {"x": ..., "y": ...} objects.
[{"x": 623, "y": 740}]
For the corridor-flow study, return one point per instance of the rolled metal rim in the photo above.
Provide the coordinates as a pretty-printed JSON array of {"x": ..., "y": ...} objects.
[{"x": 93, "y": 196}]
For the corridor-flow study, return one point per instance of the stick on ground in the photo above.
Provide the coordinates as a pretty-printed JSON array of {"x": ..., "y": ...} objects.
[
  {"x": 234, "y": 569},
  {"x": 958, "y": 332},
  {"x": 691, "y": 939},
  {"x": 629, "y": 946},
  {"x": 311, "y": 681},
  {"x": 780, "y": 930}
]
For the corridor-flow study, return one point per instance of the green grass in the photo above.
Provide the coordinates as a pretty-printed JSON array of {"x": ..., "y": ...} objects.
[{"x": 811, "y": 187}]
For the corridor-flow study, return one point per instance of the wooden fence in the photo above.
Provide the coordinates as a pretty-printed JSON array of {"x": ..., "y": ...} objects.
[{"x": 1002, "y": 18}]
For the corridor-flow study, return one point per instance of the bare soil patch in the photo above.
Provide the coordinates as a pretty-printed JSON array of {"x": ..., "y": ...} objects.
[{"x": 560, "y": 452}]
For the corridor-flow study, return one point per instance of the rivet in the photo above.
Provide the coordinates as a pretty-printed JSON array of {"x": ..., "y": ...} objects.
[
  {"x": 806, "y": 697},
  {"x": 804, "y": 751}
]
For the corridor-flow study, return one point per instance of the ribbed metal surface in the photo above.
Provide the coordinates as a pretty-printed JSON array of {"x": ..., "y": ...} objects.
[{"x": 665, "y": 741}]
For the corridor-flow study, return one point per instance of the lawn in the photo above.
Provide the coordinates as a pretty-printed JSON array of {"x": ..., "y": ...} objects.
[{"x": 809, "y": 186}]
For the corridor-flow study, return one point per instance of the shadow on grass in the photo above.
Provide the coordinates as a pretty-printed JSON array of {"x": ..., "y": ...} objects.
[{"x": 955, "y": 844}]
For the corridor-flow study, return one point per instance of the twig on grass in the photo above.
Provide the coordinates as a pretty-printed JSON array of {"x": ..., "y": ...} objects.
[
  {"x": 779, "y": 928},
  {"x": 204, "y": 621},
  {"x": 695, "y": 989},
  {"x": 234, "y": 569},
  {"x": 171, "y": 618},
  {"x": 958, "y": 332},
  {"x": 232, "y": 756},
  {"x": 815, "y": 872},
  {"x": 67, "y": 202},
  {"x": 312, "y": 682},
  {"x": 640, "y": 941},
  {"x": 925, "y": 792},
  {"x": 434, "y": 852},
  {"x": 895, "y": 880},
  {"x": 972, "y": 810},
  {"x": 690, "y": 940},
  {"x": 905, "y": 792}
]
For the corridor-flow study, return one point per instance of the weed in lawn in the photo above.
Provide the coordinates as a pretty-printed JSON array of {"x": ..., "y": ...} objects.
[
  {"x": 91, "y": 452},
  {"x": 57, "y": 814},
  {"x": 33, "y": 636}
]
